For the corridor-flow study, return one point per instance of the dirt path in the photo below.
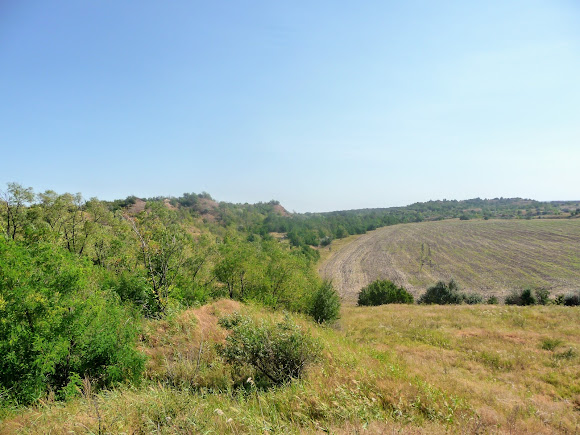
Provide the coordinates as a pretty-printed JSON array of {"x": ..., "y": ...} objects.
[{"x": 488, "y": 257}]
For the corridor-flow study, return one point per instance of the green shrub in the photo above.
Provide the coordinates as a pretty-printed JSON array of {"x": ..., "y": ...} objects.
[
  {"x": 572, "y": 299},
  {"x": 382, "y": 292},
  {"x": 325, "y": 307},
  {"x": 542, "y": 296},
  {"x": 135, "y": 289},
  {"x": 276, "y": 353},
  {"x": 524, "y": 297},
  {"x": 493, "y": 300},
  {"x": 473, "y": 298},
  {"x": 442, "y": 294},
  {"x": 55, "y": 329}
]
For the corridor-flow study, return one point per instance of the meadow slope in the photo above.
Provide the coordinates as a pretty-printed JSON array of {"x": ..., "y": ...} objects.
[
  {"x": 391, "y": 369},
  {"x": 484, "y": 256}
]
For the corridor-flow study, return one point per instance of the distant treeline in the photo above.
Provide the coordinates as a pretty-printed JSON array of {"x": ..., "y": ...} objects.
[{"x": 319, "y": 229}]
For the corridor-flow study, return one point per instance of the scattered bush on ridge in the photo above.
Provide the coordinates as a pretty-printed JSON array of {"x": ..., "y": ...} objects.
[
  {"x": 442, "y": 294},
  {"x": 382, "y": 292},
  {"x": 522, "y": 298}
]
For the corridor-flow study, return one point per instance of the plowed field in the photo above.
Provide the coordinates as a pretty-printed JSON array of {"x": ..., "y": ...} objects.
[{"x": 488, "y": 257}]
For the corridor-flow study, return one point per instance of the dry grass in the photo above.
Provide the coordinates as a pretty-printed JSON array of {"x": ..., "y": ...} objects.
[
  {"x": 489, "y": 257},
  {"x": 390, "y": 369},
  {"x": 518, "y": 366}
]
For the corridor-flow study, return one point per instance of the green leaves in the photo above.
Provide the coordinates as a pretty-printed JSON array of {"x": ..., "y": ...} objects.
[
  {"x": 54, "y": 323},
  {"x": 325, "y": 306},
  {"x": 382, "y": 292},
  {"x": 276, "y": 352}
]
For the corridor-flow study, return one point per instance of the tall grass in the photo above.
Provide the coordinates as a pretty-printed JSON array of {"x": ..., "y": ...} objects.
[{"x": 396, "y": 368}]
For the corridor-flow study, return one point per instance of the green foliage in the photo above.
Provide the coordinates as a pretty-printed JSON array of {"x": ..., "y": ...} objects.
[
  {"x": 493, "y": 300},
  {"x": 443, "y": 294},
  {"x": 54, "y": 327},
  {"x": 559, "y": 300},
  {"x": 264, "y": 271},
  {"x": 382, "y": 292},
  {"x": 163, "y": 252},
  {"x": 325, "y": 306},
  {"x": 523, "y": 297},
  {"x": 473, "y": 299},
  {"x": 134, "y": 288},
  {"x": 542, "y": 296},
  {"x": 13, "y": 206},
  {"x": 275, "y": 352},
  {"x": 572, "y": 299},
  {"x": 550, "y": 343}
]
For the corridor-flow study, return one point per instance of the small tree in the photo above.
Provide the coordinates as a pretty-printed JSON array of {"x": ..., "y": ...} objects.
[
  {"x": 14, "y": 202},
  {"x": 325, "y": 304},
  {"x": 382, "y": 292}
]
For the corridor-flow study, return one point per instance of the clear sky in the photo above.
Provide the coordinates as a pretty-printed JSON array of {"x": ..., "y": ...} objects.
[{"x": 322, "y": 105}]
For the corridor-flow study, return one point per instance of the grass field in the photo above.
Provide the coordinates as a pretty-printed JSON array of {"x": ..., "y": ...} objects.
[
  {"x": 390, "y": 369},
  {"x": 488, "y": 257}
]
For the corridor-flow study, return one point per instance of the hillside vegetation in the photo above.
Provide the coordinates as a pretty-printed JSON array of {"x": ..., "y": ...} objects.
[
  {"x": 187, "y": 315},
  {"x": 402, "y": 369},
  {"x": 490, "y": 257}
]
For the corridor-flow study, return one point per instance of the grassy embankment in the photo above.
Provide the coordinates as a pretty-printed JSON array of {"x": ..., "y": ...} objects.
[{"x": 411, "y": 369}]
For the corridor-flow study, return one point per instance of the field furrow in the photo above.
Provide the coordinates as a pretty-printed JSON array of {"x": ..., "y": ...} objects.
[{"x": 489, "y": 257}]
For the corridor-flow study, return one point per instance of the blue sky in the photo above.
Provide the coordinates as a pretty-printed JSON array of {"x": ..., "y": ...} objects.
[{"x": 323, "y": 105}]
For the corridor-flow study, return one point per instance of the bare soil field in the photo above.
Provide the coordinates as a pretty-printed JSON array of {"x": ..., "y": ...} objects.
[{"x": 489, "y": 257}]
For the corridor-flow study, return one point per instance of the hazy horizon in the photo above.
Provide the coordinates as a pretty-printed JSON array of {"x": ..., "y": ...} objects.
[{"x": 322, "y": 106}]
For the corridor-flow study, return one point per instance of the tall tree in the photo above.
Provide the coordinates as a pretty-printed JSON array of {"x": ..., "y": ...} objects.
[{"x": 15, "y": 200}]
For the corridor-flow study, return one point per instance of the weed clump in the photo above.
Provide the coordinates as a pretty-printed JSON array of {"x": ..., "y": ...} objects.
[
  {"x": 550, "y": 343},
  {"x": 275, "y": 352},
  {"x": 382, "y": 292}
]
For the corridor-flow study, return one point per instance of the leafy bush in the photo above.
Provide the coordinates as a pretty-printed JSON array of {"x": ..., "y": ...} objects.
[
  {"x": 524, "y": 297},
  {"x": 542, "y": 296},
  {"x": 382, "y": 292},
  {"x": 325, "y": 304},
  {"x": 473, "y": 299},
  {"x": 276, "y": 353},
  {"x": 493, "y": 300},
  {"x": 572, "y": 299},
  {"x": 55, "y": 330},
  {"x": 443, "y": 294},
  {"x": 135, "y": 289}
]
